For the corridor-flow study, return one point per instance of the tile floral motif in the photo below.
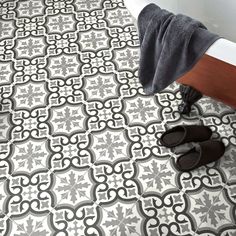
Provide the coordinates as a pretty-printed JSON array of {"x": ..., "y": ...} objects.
[
  {"x": 30, "y": 156},
  {"x": 63, "y": 66},
  {"x": 127, "y": 59},
  {"x": 60, "y": 23},
  {"x": 3, "y": 197},
  {"x": 109, "y": 145},
  {"x": 100, "y": 86},
  {"x": 80, "y": 150},
  {"x": 67, "y": 119},
  {"x": 30, "y": 8},
  {"x": 141, "y": 110},
  {"x": 30, "y": 47},
  {"x": 30, "y": 225},
  {"x": 157, "y": 175},
  {"x": 97, "y": 39},
  {"x": 71, "y": 188},
  {"x": 30, "y": 95},
  {"x": 6, "y": 29},
  {"x": 119, "y": 17},
  {"x": 4, "y": 127},
  {"x": 122, "y": 219},
  {"x": 87, "y": 4}
]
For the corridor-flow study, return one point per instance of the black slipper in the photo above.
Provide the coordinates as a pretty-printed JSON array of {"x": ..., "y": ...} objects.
[
  {"x": 209, "y": 151},
  {"x": 185, "y": 134}
]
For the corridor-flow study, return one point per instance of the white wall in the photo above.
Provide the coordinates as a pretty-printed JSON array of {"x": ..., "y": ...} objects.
[{"x": 218, "y": 15}]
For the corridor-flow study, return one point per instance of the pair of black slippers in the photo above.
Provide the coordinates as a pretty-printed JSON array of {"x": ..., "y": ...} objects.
[{"x": 207, "y": 152}]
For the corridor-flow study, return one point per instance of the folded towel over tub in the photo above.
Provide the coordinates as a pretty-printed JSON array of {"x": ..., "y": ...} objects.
[{"x": 170, "y": 46}]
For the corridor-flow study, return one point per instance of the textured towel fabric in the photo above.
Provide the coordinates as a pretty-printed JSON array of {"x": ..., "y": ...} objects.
[{"x": 170, "y": 46}]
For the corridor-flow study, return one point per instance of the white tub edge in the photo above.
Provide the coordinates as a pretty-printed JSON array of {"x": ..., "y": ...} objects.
[{"x": 223, "y": 50}]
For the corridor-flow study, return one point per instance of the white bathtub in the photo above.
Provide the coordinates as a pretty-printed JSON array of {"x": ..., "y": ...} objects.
[{"x": 218, "y": 15}]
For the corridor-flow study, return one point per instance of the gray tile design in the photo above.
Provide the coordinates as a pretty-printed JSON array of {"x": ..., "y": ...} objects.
[{"x": 79, "y": 140}]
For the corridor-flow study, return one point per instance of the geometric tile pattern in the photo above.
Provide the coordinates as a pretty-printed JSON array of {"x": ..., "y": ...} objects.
[{"x": 79, "y": 139}]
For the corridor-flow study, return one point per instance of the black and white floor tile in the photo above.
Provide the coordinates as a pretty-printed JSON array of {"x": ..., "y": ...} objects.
[{"x": 79, "y": 140}]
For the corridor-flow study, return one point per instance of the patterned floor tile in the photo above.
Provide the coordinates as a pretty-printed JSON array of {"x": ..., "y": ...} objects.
[
  {"x": 141, "y": 110},
  {"x": 3, "y": 197},
  {"x": 29, "y": 156},
  {"x": 109, "y": 145},
  {"x": 70, "y": 152},
  {"x": 122, "y": 218},
  {"x": 80, "y": 150},
  {"x": 5, "y": 127},
  {"x": 145, "y": 142},
  {"x": 228, "y": 194},
  {"x": 81, "y": 220},
  {"x": 30, "y": 224},
  {"x": 156, "y": 175},
  {"x": 226, "y": 165},
  {"x": 29, "y": 193},
  {"x": 205, "y": 176},
  {"x": 116, "y": 181},
  {"x": 213, "y": 224},
  {"x": 4, "y": 225},
  {"x": 100, "y": 87},
  {"x": 165, "y": 214},
  {"x": 71, "y": 187}
]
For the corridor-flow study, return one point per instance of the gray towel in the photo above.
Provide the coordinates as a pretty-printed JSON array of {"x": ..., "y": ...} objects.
[{"x": 170, "y": 46}]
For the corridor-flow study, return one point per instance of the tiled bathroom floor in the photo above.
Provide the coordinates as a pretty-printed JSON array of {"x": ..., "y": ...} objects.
[{"x": 79, "y": 140}]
